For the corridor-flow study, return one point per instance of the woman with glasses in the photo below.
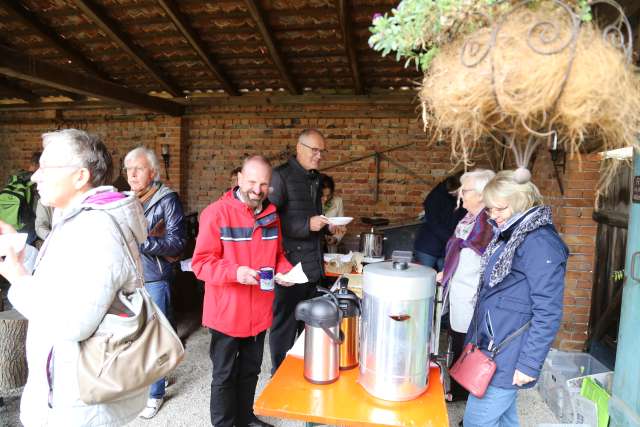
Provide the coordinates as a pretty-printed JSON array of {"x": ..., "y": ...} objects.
[
  {"x": 461, "y": 271},
  {"x": 82, "y": 265},
  {"x": 519, "y": 296}
]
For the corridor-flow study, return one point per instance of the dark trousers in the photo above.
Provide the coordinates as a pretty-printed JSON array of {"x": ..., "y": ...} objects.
[
  {"x": 457, "y": 344},
  {"x": 285, "y": 328},
  {"x": 236, "y": 365}
]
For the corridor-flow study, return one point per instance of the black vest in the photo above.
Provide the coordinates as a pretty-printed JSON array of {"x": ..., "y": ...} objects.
[{"x": 299, "y": 194}]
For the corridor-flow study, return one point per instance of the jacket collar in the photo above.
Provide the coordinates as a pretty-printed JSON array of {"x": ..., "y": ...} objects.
[
  {"x": 296, "y": 164},
  {"x": 231, "y": 197}
]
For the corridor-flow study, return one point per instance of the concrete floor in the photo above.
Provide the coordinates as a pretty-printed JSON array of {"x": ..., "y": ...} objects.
[{"x": 187, "y": 401}]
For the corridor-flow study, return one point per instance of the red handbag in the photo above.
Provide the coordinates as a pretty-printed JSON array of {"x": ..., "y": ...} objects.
[{"x": 473, "y": 370}]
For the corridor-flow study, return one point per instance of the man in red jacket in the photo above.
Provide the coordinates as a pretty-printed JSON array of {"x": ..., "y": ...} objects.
[{"x": 239, "y": 234}]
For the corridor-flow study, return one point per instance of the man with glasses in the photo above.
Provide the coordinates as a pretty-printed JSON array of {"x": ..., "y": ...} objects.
[
  {"x": 166, "y": 241},
  {"x": 295, "y": 190}
]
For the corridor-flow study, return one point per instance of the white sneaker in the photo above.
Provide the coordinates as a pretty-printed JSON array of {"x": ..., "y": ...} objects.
[{"x": 153, "y": 406}]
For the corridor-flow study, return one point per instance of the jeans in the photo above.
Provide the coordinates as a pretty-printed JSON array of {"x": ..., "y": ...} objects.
[
  {"x": 427, "y": 260},
  {"x": 160, "y": 293},
  {"x": 236, "y": 366},
  {"x": 497, "y": 408}
]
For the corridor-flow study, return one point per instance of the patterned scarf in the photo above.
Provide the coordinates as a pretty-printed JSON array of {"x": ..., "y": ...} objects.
[
  {"x": 514, "y": 236},
  {"x": 477, "y": 240},
  {"x": 145, "y": 195}
]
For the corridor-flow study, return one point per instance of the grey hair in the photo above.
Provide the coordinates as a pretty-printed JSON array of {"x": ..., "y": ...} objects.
[
  {"x": 520, "y": 197},
  {"x": 308, "y": 132},
  {"x": 151, "y": 156},
  {"x": 480, "y": 177},
  {"x": 88, "y": 151}
]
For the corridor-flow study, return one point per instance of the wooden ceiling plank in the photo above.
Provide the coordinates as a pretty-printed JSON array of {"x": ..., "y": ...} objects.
[
  {"x": 196, "y": 44},
  {"x": 16, "y": 91},
  {"x": 31, "y": 20},
  {"x": 24, "y": 67},
  {"x": 343, "y": 13},
  {"x": 276, "y": 57},
  {"x": 98, "y": 15}
]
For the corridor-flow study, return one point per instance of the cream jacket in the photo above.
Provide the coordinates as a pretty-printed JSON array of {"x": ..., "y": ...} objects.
[{"x": 82, "y": 265}]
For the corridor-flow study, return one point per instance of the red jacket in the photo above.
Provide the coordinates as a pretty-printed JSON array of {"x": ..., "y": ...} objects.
[{"x": 231, "y": 236}]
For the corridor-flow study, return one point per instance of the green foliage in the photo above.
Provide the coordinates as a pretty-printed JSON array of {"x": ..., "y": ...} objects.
[
  {"x": 617, "y": 275},
  {"x": 416, "y": 29}
]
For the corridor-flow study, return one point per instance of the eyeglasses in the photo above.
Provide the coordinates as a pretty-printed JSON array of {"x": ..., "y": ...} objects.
[
  {"x": 137, "y": 169},
  {"x": 314, "y": 150},
  {"x": 490, "y": 211}
]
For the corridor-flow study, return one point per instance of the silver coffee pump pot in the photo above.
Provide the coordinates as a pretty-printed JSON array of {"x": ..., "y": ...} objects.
[{"x": 322, "y": 338}]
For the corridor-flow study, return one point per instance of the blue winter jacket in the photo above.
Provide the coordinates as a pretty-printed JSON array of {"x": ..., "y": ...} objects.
[
  {"x": 163, "y": 205},
  {"x": 533, "y": 290}
]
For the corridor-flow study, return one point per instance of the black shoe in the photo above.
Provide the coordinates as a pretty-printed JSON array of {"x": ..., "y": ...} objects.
[{"x": 256, "y": 422}]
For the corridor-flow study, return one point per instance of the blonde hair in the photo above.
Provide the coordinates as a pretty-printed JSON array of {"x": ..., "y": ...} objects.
[{"x": 504, "y": 186}]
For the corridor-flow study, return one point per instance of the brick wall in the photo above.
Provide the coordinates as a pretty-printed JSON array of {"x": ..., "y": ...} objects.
[
  {"x": 572, "y": 215},
  {"x": 122, "y": 130},
  {"x": 209, "y": 141}
]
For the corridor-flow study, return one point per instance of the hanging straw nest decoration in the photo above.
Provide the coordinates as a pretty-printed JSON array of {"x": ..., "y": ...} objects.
[{"x": 539, "y": 73}]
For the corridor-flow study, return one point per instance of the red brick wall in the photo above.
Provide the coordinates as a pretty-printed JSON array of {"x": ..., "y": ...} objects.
[
  {"x": 572, "y": 215},
  {"x": 211, "y": 140},
  {"x": 121, "y": 130}
]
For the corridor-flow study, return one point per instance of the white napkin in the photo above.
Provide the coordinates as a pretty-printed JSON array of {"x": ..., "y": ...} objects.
[
  {"x": 298, "y": 347},
  {"x": 16, "y": 241},
  {"x": 185, "y": 264},
  {"x": 296, "y": 275}
]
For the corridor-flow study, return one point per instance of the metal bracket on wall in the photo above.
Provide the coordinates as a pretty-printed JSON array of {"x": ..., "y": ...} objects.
[{"x": 378, "y": 155}]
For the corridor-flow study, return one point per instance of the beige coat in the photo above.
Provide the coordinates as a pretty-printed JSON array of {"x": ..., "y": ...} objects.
[{"x": 82, "y": 266}]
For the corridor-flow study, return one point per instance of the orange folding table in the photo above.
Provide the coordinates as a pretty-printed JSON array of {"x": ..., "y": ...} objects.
[{"x": 345, "y": 402}]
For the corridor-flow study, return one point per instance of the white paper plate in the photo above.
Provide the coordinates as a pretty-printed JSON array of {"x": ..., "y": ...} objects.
[
  {"x": 340, "y": 220},
  {"x": 330, "y": 257},
  {"x": 371, "y": 260},
  {"x": 16, "y": 241}
]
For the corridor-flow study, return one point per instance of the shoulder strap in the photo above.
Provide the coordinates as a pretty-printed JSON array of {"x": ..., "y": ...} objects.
[
  {"x": 510, "y": 338},
  {"x": 126, "y": 246}
]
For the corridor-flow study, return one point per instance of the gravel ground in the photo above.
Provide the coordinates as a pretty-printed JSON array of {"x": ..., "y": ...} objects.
[{"x": 187, "y": 400}]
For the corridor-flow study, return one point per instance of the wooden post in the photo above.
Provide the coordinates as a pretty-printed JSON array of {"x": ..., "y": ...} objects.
[{"x": 13, "y": 358}]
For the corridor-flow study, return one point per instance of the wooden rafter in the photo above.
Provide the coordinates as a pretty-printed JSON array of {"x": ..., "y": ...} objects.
[
  {"x": 16, "y": 91},
  {"x": 343, "y": 12},
  {"x": 30, "y": 20},
  {"x": 276, "y": 57},
  {"x": 98, "y": 15},
  {"x": 187, "y": 31},
  {"x": 24, "y": 67}
]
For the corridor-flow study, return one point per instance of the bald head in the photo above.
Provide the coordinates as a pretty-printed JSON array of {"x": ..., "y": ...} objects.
[{"x": 254, "y": 179}]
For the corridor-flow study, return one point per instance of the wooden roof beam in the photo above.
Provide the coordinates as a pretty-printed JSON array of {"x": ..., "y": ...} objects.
[
  {"x": 343, "y": 13},
  {"x": 24, "y": 67},
  {"x": 30, "y": 20},
  {"x": 276, "y": 57},
  {"x": 178, "y": 19},
  {"x": 16, "y": 91},
  {"x": 98, "y": 15}
]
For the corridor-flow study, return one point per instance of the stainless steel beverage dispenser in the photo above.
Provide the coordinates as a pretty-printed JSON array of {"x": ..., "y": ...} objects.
[
  {"x": 322, "y": 338},
  {"x": 397, "y": 315}
]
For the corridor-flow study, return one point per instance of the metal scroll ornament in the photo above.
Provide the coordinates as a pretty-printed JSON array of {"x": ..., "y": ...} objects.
[{"x": 544, "y": 37}]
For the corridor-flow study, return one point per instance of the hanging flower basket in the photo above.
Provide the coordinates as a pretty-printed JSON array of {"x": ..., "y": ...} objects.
[{"x": 537, "y": 72}]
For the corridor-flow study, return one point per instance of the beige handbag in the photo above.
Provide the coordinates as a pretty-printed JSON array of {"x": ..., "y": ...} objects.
[{"x": 126, "y": 354}]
